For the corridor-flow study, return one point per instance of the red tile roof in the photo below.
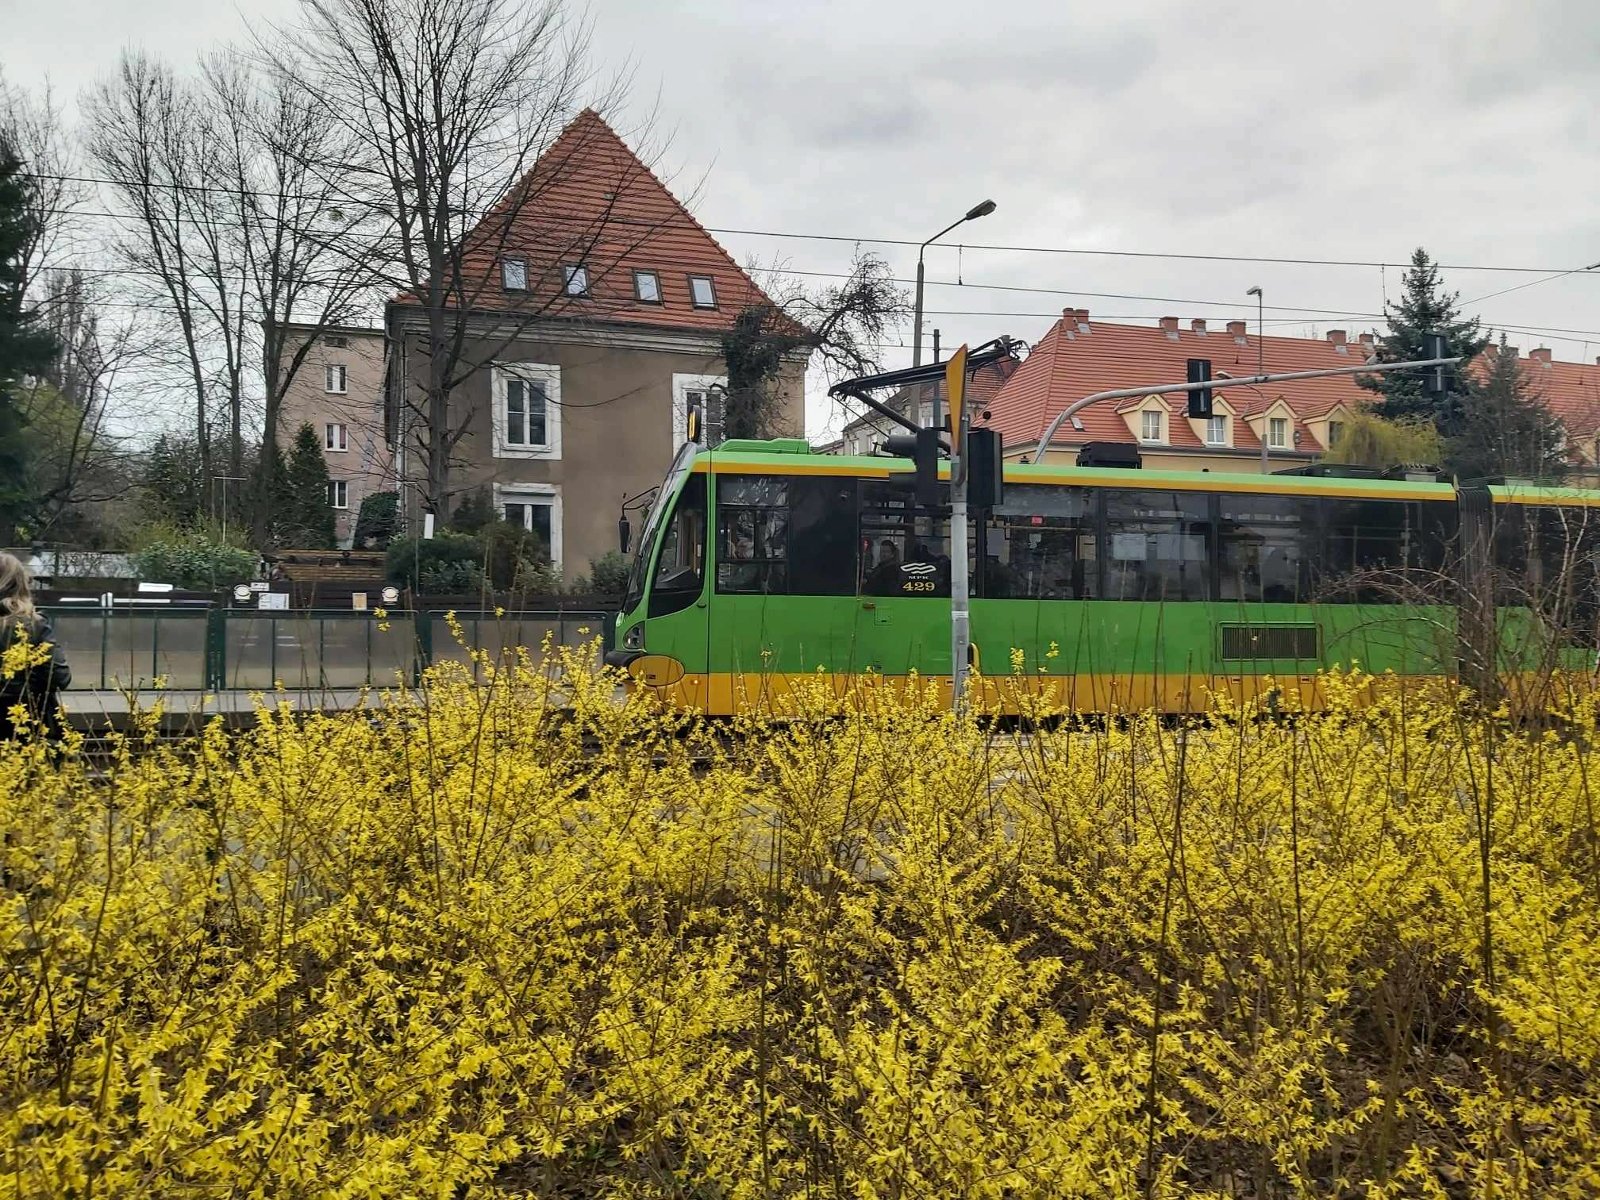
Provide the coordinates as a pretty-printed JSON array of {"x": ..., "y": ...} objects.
[
  {"x": 1570, "y": 390},
  {"x": 1077, "y": 358},
  {"x": 590, "y": 200}
]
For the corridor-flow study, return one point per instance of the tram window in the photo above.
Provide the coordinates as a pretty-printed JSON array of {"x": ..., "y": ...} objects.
[
  {"x": 752, "y": 534},
  {"x": 1041, "y": 545},
  {"x": 1564, "y": 557},
  {"x": 782, "y": 534},
  {"x": 1157, "y": 545},
  {"x": 904, "y": 551},
  {"x": 1262, "y": 549},
  {"x": 822, "y": 532},
  {"x": 1363, "y": 552},
  {"x": 680, "y": 565}
]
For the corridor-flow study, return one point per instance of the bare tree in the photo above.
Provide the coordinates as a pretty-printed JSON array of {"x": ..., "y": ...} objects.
[
  {"x": 145, "y": 135},
  {"x": 844, "y": 325},
  {"x": 237, "y": 235},
  {"x": 75, "y": 460},
  {"x": 454, "y": 103},
  {"x": 306, "y": 255}
]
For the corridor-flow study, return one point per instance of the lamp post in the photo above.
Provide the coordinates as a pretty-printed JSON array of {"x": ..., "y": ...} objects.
[
  {"x": 972, "y": 214},
  {"x": 1261, "y": 367}
]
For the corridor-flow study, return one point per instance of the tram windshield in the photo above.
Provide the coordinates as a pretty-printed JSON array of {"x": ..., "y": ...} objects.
[{"x": 676, "y": 473}]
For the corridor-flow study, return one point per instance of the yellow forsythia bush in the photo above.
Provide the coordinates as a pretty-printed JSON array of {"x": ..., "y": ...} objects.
[{"x": 519, "y": 939}]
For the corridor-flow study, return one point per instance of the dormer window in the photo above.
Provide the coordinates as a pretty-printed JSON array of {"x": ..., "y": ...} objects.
[
  {"x": 1150, "y": 426},
  {"x": 514, "y": 274},
  {"x": 1278, "y": 433},
  {"x": 647, "y": 287},
  {"x": 703, "y": 291},
  {"x": 576, "y": 279},
  {"x": 1216, "y": 431},
  {"x": 1335, "y": 428}
]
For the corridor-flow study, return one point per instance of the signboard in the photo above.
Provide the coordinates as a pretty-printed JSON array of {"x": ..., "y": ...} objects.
[
  {"x": 259, "y": 585},
  {"x": 273, "y": 601},
  {"x": 358, "y": 601}
]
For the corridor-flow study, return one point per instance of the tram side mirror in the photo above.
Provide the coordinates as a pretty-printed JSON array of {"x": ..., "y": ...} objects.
[{"x": 624, "y": 532}]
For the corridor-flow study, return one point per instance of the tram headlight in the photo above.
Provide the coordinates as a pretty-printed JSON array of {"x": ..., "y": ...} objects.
[{"x": 634, "y": 638}]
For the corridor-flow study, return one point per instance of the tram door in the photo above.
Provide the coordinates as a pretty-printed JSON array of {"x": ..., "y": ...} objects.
[{"x": 903, "y": 614}]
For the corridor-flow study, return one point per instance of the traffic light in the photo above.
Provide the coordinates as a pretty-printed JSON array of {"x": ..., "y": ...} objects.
[
  {"x": 985, "y": 481},
  {"x": 1200, "y": 399},
  {"x": 922, "y": 447},
  {"x": 1436, "y": 380}
]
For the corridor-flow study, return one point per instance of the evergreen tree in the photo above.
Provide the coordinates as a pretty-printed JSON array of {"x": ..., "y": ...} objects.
[
  {"x": 1506, "y": 427},
  {"x": 378, "y": 521},
  {"x": 1424, "y": 307},
  {"x": 26, "y": 349},
  {"x": 308, "y": 520},
  {"x": 170, "y": 484}
]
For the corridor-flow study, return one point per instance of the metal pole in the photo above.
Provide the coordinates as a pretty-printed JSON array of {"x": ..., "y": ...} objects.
[
  {"x": 960, "y": 584},
  {"x": 1261, "y": 367},
  {"x": 1216, "y": 384},
  {"x": 916, "y": 320}
]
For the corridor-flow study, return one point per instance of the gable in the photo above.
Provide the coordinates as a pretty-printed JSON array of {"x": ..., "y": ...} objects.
[{"x": 590, "y": 203}]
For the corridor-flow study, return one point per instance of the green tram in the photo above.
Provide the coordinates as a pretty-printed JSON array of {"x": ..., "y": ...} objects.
[{"x": 761, "y": 562}]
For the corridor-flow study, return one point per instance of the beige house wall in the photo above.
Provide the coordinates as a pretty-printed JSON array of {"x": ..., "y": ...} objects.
[
  {"x": 366, "y": 465},
  {"x": 613, "y": 396}
]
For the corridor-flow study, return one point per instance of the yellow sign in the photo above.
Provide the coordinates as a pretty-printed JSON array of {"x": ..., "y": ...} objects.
[{"x": 955, "y": 387}]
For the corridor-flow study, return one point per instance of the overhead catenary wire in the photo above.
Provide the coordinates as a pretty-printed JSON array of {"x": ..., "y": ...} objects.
[{"x": 796, "y": 235}]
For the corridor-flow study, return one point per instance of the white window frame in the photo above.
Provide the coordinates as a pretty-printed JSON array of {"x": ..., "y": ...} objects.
[
  {"x": 682, "y": 385},
  {"x": 329, "y": 376},
  {"x": 570, "y": 274},
  {"x": 507, "y": 266},
  {"x": 339, "y": 444},
  {"x": 547, "y": 494},
  {"x": 1211, "y": 426},
  {"x": 1144, "y": 426},
  {"x": 711, "y": 284},
  {"x": 1274, "y": 424},
  {"x": 339, "y": 497},
  {"x": 546, "y": 373}
]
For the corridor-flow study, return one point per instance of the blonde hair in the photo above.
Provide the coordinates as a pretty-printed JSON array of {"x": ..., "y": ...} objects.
[{"x": 16, "y": 595}]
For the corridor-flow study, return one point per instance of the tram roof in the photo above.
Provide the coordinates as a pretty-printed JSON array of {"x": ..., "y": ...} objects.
[{"x": 791, "y": 456}]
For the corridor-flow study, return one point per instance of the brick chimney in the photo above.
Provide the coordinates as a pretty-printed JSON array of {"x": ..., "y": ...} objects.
[
  {"x": 1368, "y": 340},
  {"x": 1236, "y": 330},
  {"x": 1198, "y": 325},
  {"x": 1083, "y": 320},
  {"x": 1336, "y": 336},
  {"x": 1170, "y": 324},
  {"x": 1514, "y": 351},
  {"x": 1541, "y": 355}
]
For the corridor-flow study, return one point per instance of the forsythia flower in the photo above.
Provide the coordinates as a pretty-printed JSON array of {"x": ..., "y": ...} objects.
[{"x": 513, "y": 938}]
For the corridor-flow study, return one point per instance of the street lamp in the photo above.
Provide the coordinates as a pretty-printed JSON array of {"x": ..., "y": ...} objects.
[
  {"x": 972, "y": 214},
  {"x": 1261, "y": 366}
]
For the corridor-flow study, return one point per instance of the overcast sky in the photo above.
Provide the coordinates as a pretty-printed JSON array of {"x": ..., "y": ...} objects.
[{"x": 1259, "y": 128}]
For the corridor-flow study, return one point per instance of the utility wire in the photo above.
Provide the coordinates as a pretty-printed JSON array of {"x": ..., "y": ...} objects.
[{"x": 883, "y": 241}]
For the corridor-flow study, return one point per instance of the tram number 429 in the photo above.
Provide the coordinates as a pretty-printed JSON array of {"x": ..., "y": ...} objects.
[{"x": 919, "y": 585}]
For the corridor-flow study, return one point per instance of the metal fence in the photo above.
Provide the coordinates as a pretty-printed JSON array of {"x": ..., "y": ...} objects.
[{"x": 206, "y": 649}]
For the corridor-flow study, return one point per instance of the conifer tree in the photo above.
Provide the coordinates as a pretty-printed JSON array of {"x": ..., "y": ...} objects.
[
  {"x": 1424, "y": 307},
  {"x": 308, "y": 521},
  {"x": 26, "y": 348},
  {"x": 1506, "y": 427}
]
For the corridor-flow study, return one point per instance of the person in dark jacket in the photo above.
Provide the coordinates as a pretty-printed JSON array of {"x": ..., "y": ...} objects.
[{"x": 34, "y": 687}]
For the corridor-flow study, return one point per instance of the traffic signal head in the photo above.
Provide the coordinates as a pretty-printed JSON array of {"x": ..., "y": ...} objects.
[
  {"x": 1435, "y": 379},
  {"x": 922, "y": 447},
  {"x": 1200, "y": 398}
]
